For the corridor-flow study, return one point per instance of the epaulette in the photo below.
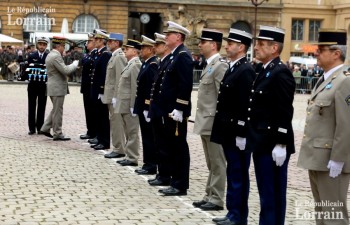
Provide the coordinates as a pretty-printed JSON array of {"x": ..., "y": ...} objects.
[
  {"x": 223, "y": 60},
  {"x": 182, "y": 52},
  {"x": 153, "y": 63}
]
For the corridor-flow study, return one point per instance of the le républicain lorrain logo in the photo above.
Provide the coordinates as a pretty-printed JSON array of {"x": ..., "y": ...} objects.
[
  {"x": 30, "y": 20},
  {"x": 305, "y": 210}
]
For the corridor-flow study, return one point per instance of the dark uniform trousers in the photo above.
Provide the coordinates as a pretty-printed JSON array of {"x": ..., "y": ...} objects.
[
  {"x": 175, "y": 157},
  {"x": 102, "y": 119},
  {"x": 145, "y": 80},
  {"x": 237, "y": 182},
  {"x": 86, "y": 91},
  {"x": 272, "y": 197},
  {"x": 36, "y": 95},
  {"x": 270, "y": 123},
  {"x": 90, "y": 111}
]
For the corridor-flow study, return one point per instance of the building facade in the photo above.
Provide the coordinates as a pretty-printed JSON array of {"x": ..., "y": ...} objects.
[{"x": 301, "y": 19}]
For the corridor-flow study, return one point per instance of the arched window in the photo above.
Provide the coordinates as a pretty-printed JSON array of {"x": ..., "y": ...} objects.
[
  {"x": 37, "y": 22},
  {"x": 85, "y": 24},
  {"x": 242, "y": 25}
]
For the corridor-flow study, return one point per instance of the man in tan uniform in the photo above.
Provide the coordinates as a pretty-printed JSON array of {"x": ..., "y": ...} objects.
[
  {"x": 57, "y": 88},
  {"x": 210, "y": 45},
  {"x": 126, "y": 100},
  {"x": 116, "y": 64},
  {"x": 325, "y": 146}
]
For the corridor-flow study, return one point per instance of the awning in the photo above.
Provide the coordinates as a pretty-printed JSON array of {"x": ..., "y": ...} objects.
[{"x": 8, "y": 39}]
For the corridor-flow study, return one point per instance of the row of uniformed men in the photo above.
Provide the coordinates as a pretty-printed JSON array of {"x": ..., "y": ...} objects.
[{"x": 123, "y": 94}]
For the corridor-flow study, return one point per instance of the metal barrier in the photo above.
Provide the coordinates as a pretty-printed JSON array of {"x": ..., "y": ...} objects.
[
  {"x": 304, "y": 85},
  {"x": 196, "y": 76}
]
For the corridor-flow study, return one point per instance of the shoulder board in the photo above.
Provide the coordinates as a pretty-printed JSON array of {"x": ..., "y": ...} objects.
[
  {"x": 223, "y": 60},
  {"x": 182, "y": 52},
  {"x": 153, "y": 63}
]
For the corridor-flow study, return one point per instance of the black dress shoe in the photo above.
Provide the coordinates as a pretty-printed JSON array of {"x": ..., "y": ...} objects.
[
  {"x": 229, "y": 222},
  {"x": 158, "y": 182},
  {"x": 93, "y": 145},
  {"x": 197, "y": 204},
  {"x": 210, "y": 207},
  {"x": 31, "y": 132},
  {"x": 128, "y": 163},
  {"x": 141, "y": 171},
  {"x": 85, "y": 136},
  {"x": 61, "y": 138},
  {"x": 171, "y": 191},
  {"x": 121, "y": 161},
  {"x": 93, "y": 141},
  {"x": 100, "y": 147},
  {"x": 220, "y": 219},
  {"x": 47, "y": 134},
  {"x": 150, "y": 180},
  {"x": 114, "y": 155}
]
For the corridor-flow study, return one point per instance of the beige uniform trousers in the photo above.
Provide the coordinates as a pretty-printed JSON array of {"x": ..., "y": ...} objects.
[
  {"x": 117, "y": 130},
  {"x": 131, "y": 129},
  {"x": 327, "y": 190},
  {"x": 216, "y": 162},
  {"x": 54, "y": 119}
]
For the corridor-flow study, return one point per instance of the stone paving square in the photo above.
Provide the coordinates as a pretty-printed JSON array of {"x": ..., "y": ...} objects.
[{"x": 62, "y": 183}]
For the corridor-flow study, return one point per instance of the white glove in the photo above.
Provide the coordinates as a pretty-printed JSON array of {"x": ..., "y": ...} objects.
[
  {"x": 75, "y": 63},
  {"x": 132, "y": 112},
  {"x": 279, "y": 154},
  {"x": 100, "y": 96},
  {"x": 145, "y": 113},
  {"x": 241, "y": 142},
  {"x": 176, "y": 115},
  {"x": 114, "y": 102},
  {"x": 335, "y": 168}
]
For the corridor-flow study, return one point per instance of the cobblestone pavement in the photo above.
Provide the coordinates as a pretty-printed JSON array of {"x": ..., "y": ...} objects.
[{"x": 46, "y": 182}]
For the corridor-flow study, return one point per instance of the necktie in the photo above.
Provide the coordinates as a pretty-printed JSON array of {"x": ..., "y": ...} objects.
[
  {"x": 320, "y": 81},
  {"x": 41, "y": 56},
  {"x": 205, "y": 64}
]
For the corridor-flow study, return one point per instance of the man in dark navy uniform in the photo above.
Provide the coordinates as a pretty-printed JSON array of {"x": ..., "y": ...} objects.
[
  {"x": 229, "y": 128},
  {"x": 270, "y": 133},
  {"x": 145, "y": 80},
  {"x": 101, "y": 59},
  {"x": 85, "y": 89},
  {"x": 163, "y": 52},
  {"x": 174, "y": 107},
  {"x": 36, "y": 75}
]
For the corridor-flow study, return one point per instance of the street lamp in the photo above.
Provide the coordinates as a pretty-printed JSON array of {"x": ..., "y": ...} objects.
[{"x": 256, "y": 3}]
